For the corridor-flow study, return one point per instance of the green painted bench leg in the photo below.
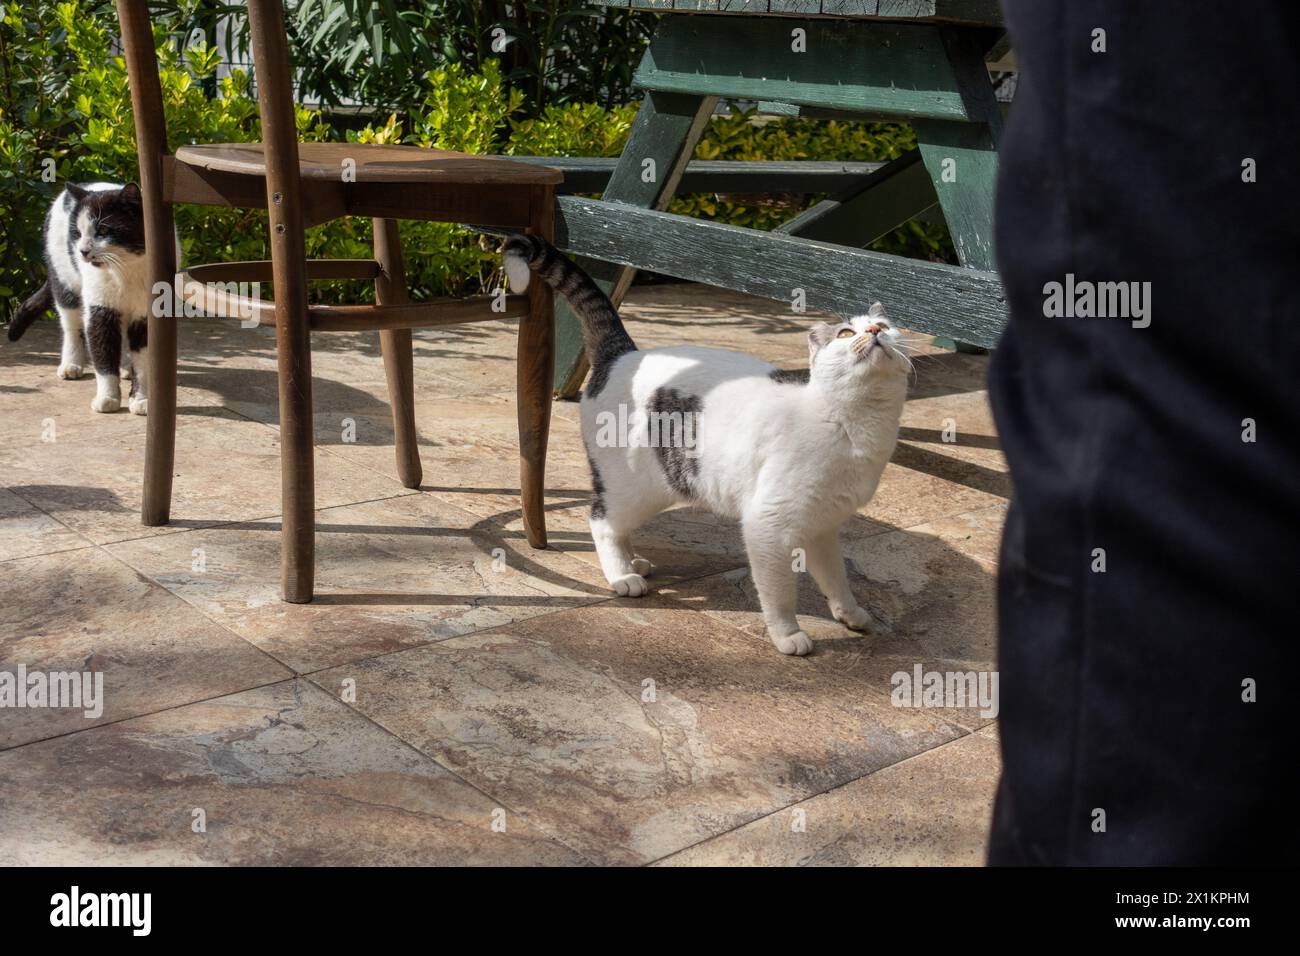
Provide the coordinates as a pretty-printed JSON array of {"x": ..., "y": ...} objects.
[
  {"x": 663, "y": 137},
  {"x": 962, "y": 159},
  {"x": 898, "y": 191}
]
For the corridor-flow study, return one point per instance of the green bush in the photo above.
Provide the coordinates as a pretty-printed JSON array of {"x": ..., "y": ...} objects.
[
  {"x": 378, "y": 52},
  {"x": 65, "y": 115}
]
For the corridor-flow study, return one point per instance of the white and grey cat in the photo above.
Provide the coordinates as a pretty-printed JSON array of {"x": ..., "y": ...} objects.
[
  {"x": 792, "y": 458},
  {"x": 98, "y": 281}
]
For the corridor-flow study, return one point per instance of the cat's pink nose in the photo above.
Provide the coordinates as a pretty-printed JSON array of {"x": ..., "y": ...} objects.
[{"x": 873, "y": 329}]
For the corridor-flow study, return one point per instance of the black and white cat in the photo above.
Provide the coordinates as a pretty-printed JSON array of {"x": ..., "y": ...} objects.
[
  {"x": 98, "y": 281},
  {"x": 791, "y": 458}
]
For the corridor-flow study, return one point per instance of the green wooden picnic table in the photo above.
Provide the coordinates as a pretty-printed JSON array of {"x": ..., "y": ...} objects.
[{"x": 916, "y": 61}]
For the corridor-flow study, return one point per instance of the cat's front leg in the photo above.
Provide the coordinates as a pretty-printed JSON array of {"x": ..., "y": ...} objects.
[
  {"x": 104, "y": 335},
  {"x": 74, "y": 359},
  {"x": 771, "y": 562},
  {"x": 826, "y": 562},
  {"x": 137, "y": 340}
]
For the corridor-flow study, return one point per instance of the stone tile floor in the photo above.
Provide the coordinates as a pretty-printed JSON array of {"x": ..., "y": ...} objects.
[{"x": 453, "y": 696}]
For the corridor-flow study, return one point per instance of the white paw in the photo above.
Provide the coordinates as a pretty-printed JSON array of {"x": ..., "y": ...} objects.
[
  {"x": 642, "y": 567},
  {"x": 69, "y": 371},
  {"x": 797, "y": 643},
  {"x": 858, "y": 619},
  {"x": 139, "y": 406},
  {"x": 105, "y": 403},
  {"x": 630, "y": 585}
]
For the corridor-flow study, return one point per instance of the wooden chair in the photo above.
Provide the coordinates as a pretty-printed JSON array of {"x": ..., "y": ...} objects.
[{"x": 303, "y": 185}]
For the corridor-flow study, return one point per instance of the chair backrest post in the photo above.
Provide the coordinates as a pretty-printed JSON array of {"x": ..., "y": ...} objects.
[
  {"x": 275, "y": 100},
  {"x": 280, "y": 152},
  {"x": 288, "y": 261},
  {"x": 150, "y": 132}
]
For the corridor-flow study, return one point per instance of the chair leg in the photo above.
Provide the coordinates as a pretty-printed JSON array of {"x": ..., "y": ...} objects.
[
  {"x": 536, "y": 379},
  {"x": 390, "y": 289},
  {"x": 160, "y": 372},
  {"x": 297, "y": 464},
  {"x": 297, "y": 441}
]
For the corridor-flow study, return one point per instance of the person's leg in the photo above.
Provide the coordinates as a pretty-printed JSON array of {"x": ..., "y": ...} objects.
[{"x": 1146, "y": 587}]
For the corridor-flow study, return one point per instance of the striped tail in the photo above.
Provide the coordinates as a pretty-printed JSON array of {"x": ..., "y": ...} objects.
[
  {"x": 603, "y": 334},
  {"x": 31, "y": 310}
]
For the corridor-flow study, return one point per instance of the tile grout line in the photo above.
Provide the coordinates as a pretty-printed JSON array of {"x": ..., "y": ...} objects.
[
  {"x": 546, "y": 832},
  {"x": 43, "y": 554},
  {"x": 814, "y": 796},
  {"x": 293, "y": 679},
  {"x": 11, "y": 748},
  {"x": 198, "y": 610},
  {"x": 493, "y": 628}
]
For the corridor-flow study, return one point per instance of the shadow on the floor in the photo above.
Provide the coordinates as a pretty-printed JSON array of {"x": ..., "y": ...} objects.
[
  {"x": 579, "y": 494},
  {"x": 394, "y": 599},
  {"x": 947, "y": 373},
  {"x": 980, "y": 477},
  {"x": 73, "y": 498},
  {"x": 254, "y": 393},
  {"x": 206, "y": 340},
  {"x": 935, "y": 436},
  {"x": 924, "y": 625}
]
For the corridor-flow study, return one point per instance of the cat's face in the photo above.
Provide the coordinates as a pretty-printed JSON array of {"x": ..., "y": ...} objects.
[
  {"x": 862, "y": 353},
  {"x": 108, "y": 226}
]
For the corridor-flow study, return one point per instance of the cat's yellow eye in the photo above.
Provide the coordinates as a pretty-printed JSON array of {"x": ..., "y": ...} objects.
[{"x": 845, "y": 334}]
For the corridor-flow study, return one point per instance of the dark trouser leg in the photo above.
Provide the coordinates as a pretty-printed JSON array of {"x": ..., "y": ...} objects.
[{"x": 1145, "y": 695}]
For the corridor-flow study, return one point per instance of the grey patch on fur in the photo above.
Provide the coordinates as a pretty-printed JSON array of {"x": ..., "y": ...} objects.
[
  {"x": 72, "y": 197},
  {"x": 137, "y": 334},
  {"x": 603, "y": 335},
  {"x": 679, "y": 461},
  {"x": 137, "y": 337},
  {"x": 63, "y": 295},
  {"x": 597, "y": 491},
  {"x": 789, "y": 376},
  {"x": 104, "y": 336}
]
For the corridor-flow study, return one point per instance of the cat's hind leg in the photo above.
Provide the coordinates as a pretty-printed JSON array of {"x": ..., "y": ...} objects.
[
  {"x": 73, "y": 360},
  {"x": 137, "y": 340},
  {"x": 826, "y": 563},
  {"x": 615, "y": 514},
  {"x": 104, "y": 335},
  {"x": 771, "y": 562}
]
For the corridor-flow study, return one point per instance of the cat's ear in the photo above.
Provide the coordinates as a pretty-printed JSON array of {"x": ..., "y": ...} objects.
[
  {"x": 877, "y": 311},
  {"x": 76, "y": 192},
  {"x": 818, "y": 336},
  {"x": 131, "y": 194}
]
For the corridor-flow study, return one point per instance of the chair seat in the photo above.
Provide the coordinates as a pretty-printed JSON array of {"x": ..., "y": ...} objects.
[{"x": 374, "y": 164}]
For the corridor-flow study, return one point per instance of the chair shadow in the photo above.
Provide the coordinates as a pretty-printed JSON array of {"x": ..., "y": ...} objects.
[
  {"x": 935, "y": 436},
  {"x": 74, "y": 497}
]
